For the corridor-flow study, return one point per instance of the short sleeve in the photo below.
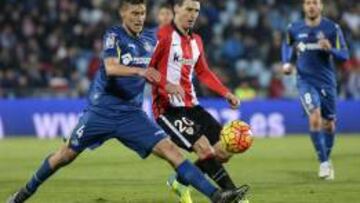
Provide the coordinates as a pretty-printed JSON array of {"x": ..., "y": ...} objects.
[{"x": 111, "y": 46}]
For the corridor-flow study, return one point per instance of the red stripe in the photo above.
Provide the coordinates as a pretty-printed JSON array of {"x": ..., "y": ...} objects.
[
  {"x": 160, "y": 97},
  {"x": 186, "y": 70}
]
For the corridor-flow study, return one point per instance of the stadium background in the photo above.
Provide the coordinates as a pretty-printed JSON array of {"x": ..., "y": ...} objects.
[{"x": 49, "y": 52}]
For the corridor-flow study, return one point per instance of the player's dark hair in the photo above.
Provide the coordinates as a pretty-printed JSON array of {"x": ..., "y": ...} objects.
[
  {"x": 166, "y": 6},
  {"x": 181, "y": 2},
  {"x": 321, "y": 1},
  {"x": 131, "y": 2}
]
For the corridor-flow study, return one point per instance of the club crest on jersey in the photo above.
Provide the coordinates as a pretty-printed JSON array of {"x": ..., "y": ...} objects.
[
  {"x": 110, "y": 41},
  {"x": 320, "y": 35},
  {"x": 148, "y": 47}
]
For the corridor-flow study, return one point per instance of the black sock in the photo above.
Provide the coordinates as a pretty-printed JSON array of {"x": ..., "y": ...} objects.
[{"x": 216, "y": 171}]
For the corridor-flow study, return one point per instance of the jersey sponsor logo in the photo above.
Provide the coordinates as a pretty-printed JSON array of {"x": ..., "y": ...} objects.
[
  {"x": 127, "y": 59},
  {"x": 110, "y": 41},
  {"x": 302, "y": 47},
  {"x": 184, "y": 61}
]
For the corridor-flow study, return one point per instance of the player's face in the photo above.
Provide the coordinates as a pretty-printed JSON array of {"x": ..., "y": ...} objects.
[
  {"x": 165, "y": 16},
  {"x": 312, "y": 8},
  {"x": 188, "y": 13},
  {"x": 133, "y": 17}
]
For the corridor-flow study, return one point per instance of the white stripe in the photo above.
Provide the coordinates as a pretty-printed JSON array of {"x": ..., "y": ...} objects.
[
  {"x": 37, "y": 179},
  {"x": 175, "y": 131},
  {"x": 173, "y": 68},
  {"x": 1, "y": 129},
  {"x": 196, "y": 55},
  {"x": 305, "y": 106}
]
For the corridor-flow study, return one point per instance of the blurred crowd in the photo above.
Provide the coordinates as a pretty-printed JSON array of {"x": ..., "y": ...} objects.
[{"x": 52, "y": 48}]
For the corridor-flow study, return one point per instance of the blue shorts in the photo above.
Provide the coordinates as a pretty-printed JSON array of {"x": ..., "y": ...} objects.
[
  {"x": 132, "y": 128},
  {"x": 314, "y": 97}
]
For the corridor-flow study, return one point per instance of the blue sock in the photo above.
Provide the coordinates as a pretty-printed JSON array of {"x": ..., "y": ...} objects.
[
  {"x": 181, "y": 180},
  {"x": 189, "y": 174},
  {"x": 40, "y": 176},
  {"x": 319, "y": 144},
  {"x": 329, "y": 142}
]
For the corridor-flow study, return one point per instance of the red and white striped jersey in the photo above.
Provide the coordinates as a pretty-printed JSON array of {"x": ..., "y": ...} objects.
[{"x": 177, "y": 57}]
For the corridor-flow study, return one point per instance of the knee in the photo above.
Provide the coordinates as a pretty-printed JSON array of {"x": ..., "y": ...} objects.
[
  {"x": 221, "y": 154},
  {"x": 203, "y": 149},
  {"x": 315, "y": 120},
  {"x": 169, "y": 151},
  {"x": 62, "y": 157},
  {"x": 329, "y": 126}
]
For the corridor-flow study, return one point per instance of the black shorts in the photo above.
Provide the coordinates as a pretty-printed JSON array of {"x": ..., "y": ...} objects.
[{"x": 185, "y": 125}]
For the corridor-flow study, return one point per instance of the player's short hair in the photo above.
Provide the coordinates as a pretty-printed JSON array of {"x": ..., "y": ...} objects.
[
  {"x": 321, "y": 1},
  {"x": 124, "y": 3},
  {"x": 166, "y": 6},
  {"x": 181, "y": 2}
]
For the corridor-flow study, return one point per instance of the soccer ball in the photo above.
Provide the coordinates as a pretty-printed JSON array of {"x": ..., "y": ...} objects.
[{"x": 236, "y": 136}]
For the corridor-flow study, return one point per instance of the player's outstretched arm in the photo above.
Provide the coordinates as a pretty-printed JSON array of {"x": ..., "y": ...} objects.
[
  {"x": 232, "y": 100},
  {"x": 207, "y": 77},
  {"x": 114, "y": 68}
]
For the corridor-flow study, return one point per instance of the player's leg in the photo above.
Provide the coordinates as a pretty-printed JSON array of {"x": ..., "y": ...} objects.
[
  {"x": 329, "y": 127},
  {"x": 143, "y": 136},
  {"x": 50, "y": 165},
  {"x": 211, "y": 154},
  {"x": 310, "y": 99},
  {"x": 328, "y": 111},
  {"x": 88, "y": 132},
  {"x": 186, "y": 130},
  {"x": 209, "y": 164},
  {"x": 191, "y": 175}
]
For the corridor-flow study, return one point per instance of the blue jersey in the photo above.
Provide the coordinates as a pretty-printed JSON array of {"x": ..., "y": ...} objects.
[
  {"x": 109, "y": 95},
  {"x": 315, "y": 66}
]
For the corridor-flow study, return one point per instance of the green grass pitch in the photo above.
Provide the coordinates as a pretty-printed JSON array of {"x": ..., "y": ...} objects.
[{"x": 279, "y": 171}]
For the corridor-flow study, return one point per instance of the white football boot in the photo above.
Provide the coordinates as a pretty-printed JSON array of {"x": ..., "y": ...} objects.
[{"x": 325, "y": 170}]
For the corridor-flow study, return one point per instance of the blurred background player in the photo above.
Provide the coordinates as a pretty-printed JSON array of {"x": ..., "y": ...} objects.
[
  {"x": 115, "y": 109},
  {"x": 316, "y": 41},
  {"x": 165, "y": 14},
  {"x": 178, "y": 55}
]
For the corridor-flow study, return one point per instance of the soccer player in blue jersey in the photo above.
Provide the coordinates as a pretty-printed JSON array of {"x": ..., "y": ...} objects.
[
  {"x": 114, "y": 110},
  {"x": 315, "y": 42}
]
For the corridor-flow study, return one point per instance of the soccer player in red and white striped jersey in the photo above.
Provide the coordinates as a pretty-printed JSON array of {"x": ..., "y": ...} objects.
[{"x": 178, "y": 56}]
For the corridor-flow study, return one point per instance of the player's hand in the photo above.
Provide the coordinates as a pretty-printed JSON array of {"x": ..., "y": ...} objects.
[
  {"x": 288, "y": 69},
  {"x": 175, "y": 90},
  {"x": 151, "y": 75},
  {"x": 232, "y": 100},
  {"x": 325, "y": 44}
]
